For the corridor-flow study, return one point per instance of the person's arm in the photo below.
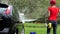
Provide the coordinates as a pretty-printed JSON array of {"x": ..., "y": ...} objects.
[
  {"x": 48, "y": 13},
  {"x": 59, "y": 11}
]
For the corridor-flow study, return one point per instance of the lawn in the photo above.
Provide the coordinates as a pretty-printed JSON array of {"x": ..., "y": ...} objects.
[{"x": 38, "y": 28}]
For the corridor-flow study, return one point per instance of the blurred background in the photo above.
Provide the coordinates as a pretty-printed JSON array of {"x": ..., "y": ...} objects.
[{"x": 32, "y": 9}]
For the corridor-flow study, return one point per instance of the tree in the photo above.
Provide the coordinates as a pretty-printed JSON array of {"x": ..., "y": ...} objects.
[{"x": 32, "y": 8}]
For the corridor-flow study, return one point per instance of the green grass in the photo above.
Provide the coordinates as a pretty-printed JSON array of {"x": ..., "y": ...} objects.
[
  {"x": 38, "y": 28},
  {"x": 19, "y": 26}
]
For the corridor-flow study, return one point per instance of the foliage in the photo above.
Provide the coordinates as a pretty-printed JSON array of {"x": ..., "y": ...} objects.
[{"x": 32, "y": 8}]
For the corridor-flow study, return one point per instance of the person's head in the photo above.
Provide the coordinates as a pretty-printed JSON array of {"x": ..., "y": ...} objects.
[{"x": 52, "y": 3}]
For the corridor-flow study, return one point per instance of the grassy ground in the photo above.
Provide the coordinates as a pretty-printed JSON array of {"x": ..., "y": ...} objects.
[
  {"x": 19, "y": 26},
  {"x": 38, "y": 28}
]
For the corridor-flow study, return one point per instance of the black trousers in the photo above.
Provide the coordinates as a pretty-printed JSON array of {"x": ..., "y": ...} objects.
[{"x": 54, "y": 26}]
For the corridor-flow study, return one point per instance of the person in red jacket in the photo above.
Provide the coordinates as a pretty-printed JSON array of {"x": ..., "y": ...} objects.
[{"x": 53, "y": 11}]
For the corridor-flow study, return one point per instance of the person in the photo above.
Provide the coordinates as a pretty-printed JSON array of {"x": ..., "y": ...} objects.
[{"x": 53, "y": 11}]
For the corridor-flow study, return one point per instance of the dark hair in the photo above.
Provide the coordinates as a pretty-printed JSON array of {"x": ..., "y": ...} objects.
[{"x": 52, "y": 2}]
